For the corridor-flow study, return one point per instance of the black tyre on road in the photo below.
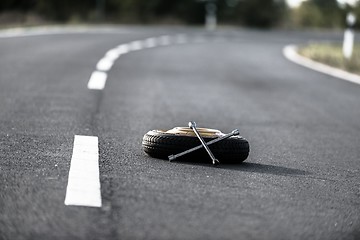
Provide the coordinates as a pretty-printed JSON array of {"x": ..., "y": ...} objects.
[{"x": 160, "y": 144}]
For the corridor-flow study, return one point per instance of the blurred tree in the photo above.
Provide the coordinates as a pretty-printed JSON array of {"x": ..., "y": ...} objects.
[
  {"x": 64, "y": 10},
  {"x": 17, "y": 5},
  {"x": 260, "y": 13},
  {"x": 356, "y": 10},
  {"x": 319, "y": 13},
  {"x": 331, "y": 13},
  {"x": 189, "y": 11},
  {"x": 253, "y": 13},
  {"x": 307, "y": 15}
]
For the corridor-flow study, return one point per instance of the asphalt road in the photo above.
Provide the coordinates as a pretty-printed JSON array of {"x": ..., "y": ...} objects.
[{"x": 301, "y": 180}]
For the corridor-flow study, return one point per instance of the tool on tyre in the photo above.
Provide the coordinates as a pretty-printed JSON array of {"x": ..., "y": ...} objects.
[
  {"x": 183, "y": 143},
  {"x": 192, "y": 125},
  {"x": 233, "y": 133}
]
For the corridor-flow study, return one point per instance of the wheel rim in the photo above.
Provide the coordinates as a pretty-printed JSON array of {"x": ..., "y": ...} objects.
[{"x": 204, "y": 132}]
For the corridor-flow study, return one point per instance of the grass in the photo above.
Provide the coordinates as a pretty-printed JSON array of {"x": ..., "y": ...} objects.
[{"x": 331, "y": 54}]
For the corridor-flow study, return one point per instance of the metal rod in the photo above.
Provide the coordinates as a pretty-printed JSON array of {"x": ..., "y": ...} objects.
[
  {"x": 233, "y": 133},
  {"x": 192, "y": 125}
]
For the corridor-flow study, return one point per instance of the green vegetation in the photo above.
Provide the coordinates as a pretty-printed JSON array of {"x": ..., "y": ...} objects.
[
  {"x": 322, "y": 14},
  {"x": 331, "y": 54},
  {"x": 319, "y": 13}
]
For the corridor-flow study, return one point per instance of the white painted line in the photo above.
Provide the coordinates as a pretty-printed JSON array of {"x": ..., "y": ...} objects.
[
  {"x": 290, "y": 52},
  {"x": 181, "y": 39},
  {"x": 149, "y": 43},
  {"x": 164, "y": 40},
  {"x": 83, "y": 187},
  {"x": 40, "y": 31},
  {"x": 123, "y": 49},
  {"x": 135, "y": 46},
  {"x": 112, "y": 54},
  {"x": 97, "y": 80},
  {"x": 58, "y": 30},
  {"x": 104, "y": 64}
]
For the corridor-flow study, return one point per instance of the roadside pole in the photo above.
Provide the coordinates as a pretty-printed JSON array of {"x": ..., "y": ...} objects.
[
  {"x": 348, "y": 43},
  {"x": 210, "y": 19},
  {"x": 210, "y": 14}
]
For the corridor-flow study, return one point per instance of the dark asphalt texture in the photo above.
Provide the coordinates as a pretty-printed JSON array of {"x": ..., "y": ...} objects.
[{"x": 301, "y": 180}]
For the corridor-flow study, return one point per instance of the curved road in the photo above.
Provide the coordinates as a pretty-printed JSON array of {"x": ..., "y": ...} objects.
[{"x": 301, "y": 180}]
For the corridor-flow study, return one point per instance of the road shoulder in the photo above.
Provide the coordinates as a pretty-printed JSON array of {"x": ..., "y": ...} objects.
[{"x": 290, "y": 52}]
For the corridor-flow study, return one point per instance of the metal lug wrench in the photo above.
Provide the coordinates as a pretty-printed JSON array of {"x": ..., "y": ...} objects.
[
  {"x": 233, "y": 133},
  {"x": 192, "y": 125}
]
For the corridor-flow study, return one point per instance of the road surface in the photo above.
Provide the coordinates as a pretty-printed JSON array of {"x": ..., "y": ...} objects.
[{"x": 301, "y": 180}]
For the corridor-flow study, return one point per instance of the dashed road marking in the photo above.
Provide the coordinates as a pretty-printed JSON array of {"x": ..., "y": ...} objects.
[
  {"x": 104, "y": 64},
  {"x": 53, "y": 30},
  {"x": 164, "y": 40},
  {"x": 83, "y": 187},
  {"x": 97, "y": 80},
  {"x": 123, "y": 49},
  {"x": 180, "y": 39},
  {"x": 112, "y": 54},
  {"x": 135, "y": 46},
  {"x": 150, "y": 43}
]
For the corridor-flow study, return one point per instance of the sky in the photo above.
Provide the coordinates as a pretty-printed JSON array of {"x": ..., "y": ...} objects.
[{"x": 295, "y": 3}]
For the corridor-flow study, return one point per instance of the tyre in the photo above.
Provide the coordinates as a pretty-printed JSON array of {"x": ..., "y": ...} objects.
[{"x": 161, "y": 144}]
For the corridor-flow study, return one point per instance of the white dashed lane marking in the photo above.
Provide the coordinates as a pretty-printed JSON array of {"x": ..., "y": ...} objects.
[
  {"x": 150, "y": 43},
  {"x": 113, "y": 54},
  {"x": 97, "y": 80},
  {"x": 83, "y": 187},
  {"x": 123, "y": 49},
  {"x": 164, "y": 40},
  {"x": 104, "y": 64},
  {"x": 135, "y": 46},
  {"x": 181, "y": 39}
]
